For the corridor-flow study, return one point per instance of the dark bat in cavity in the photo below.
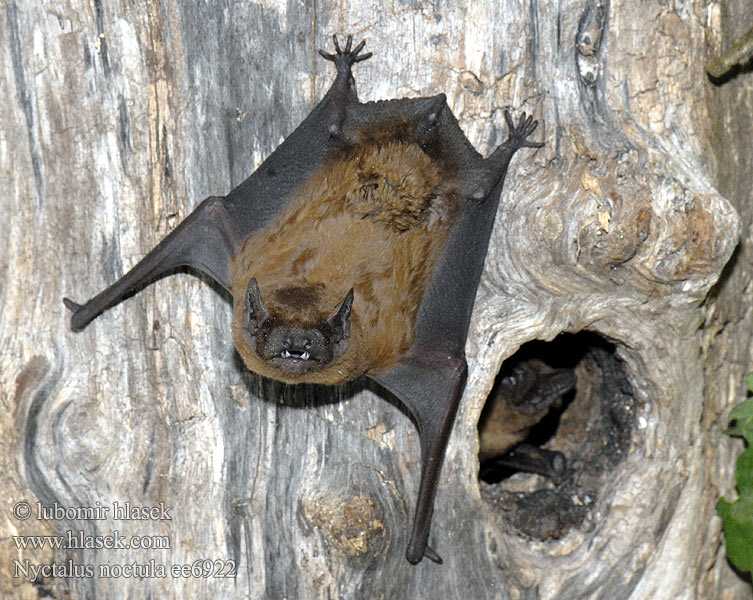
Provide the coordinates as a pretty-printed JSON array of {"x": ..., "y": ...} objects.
[
  {"x": 354, "y": 250},
  {"x": 521, "y": 399}
]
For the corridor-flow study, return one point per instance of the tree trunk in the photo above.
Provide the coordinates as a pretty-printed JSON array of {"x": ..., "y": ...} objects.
[{"x": 120, "y": 117}]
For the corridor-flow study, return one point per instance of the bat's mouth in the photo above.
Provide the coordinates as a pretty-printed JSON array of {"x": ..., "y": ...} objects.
[
  {"x": 296, "y": 361},
  {"x": 295, "y": 355}
]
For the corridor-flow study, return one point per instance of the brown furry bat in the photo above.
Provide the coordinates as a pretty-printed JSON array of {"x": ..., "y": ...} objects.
[
  {"x": 521, "y": 399},
  {"x": 354, "y": 250}
]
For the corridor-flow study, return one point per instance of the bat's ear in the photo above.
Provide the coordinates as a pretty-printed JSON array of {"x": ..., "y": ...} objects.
[
  {"x": 340, "y": 320},
  {"x": 256, "y": 314}
]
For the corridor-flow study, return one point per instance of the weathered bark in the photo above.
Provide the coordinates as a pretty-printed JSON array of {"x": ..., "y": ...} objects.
[{"x": 120, "y": 118}]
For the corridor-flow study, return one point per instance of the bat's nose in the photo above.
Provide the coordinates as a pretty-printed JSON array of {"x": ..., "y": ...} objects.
[{"x": 299, "y": 342}]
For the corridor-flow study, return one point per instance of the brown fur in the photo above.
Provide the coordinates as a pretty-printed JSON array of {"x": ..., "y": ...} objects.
[
  {"x": 509, "y": 413},
  {"x": 374, "y": 220},
  {"x": 504, "y": 428}
]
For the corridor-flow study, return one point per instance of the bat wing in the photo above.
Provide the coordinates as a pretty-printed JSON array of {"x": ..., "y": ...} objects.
[
  {"x": 209, "y": 237},
  {"x": 430, "y": 378}
]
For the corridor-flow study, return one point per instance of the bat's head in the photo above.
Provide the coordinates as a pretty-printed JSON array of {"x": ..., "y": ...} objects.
[
  {"x": 295, "y": 342},
  {"x": 532, "y": 385}
]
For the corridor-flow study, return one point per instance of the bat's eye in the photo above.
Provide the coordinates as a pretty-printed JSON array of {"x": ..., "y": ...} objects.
[{"x": 264, "y": 335}]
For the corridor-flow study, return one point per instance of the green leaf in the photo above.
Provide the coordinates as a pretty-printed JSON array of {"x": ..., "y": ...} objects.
[
  {"x": 737, "y": 517},
  {"x": 744, "y": 473},
  {"x": 737, "y": 521},
  {"x": 742, "y": 414}
]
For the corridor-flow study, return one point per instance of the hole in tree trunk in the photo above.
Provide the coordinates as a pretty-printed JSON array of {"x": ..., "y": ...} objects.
[{"x": 557, "y": 422}]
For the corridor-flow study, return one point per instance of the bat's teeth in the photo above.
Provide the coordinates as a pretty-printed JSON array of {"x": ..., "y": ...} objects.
[
  {"x": 285, "y": 354},
  {"x": 305, "y": 356}
]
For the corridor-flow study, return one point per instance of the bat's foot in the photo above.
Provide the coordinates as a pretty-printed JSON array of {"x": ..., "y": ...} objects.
[
  {"x": 344, "y": 59},
  {"x": 495, "y": 167},
  {"x": 343, "y": 90},
  {"x": 518, "y": 134}
]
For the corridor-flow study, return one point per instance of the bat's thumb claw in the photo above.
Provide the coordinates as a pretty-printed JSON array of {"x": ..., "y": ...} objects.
[
  {"x": 415, "y": 555},
  {"x": 431, "y": 554},
  {"x": 79, "y": 318},
  {"x": 71, "y": 305}
]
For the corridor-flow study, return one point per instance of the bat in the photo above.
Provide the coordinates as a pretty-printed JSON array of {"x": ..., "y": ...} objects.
[
  {"x": 522, "y": 398},
  {"x": 354, "y": 250}
]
